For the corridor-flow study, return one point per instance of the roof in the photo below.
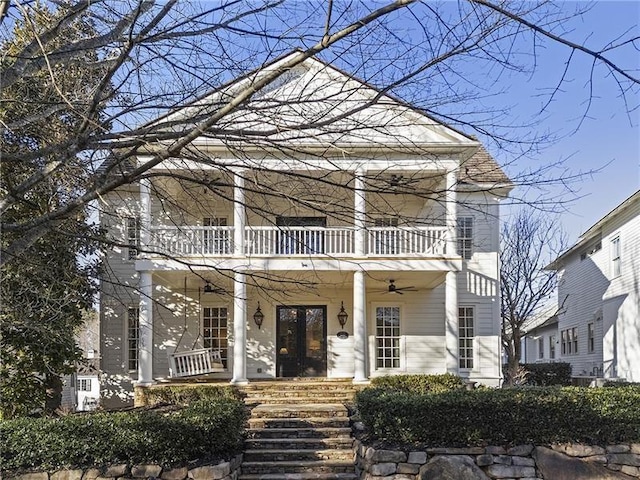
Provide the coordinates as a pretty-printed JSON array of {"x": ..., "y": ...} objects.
[
  {"x": 595, "y": 230},
  {"x": 542, "y": 323},
  {"x": 481, "y": 167},
  {"x": 404, "y": 124}
]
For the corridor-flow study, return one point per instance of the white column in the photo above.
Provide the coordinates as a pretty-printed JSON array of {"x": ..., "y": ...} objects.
[
  {"x": 359, "y": 213},
  {"x": 145, "y": 342},
  {"x": 359, "y": 328},
  {"x": 239, "y": 329},
  {"x": 450, "y": 212},
  {"x": 145, "y": 215},
  {"x": 451, "y": 323},
  {"x": 238, "y": 213}
]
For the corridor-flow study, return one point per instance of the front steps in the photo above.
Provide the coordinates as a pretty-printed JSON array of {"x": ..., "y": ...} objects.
[{"x": 299, "y": 430}]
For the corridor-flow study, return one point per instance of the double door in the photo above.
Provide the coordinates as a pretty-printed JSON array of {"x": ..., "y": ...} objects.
[{"x": 301, "y": 348}]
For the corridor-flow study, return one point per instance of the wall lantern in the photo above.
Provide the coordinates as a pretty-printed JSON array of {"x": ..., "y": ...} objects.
[
  {"x": 258, "y": 317},
  {"x": 342, "y": 315}
]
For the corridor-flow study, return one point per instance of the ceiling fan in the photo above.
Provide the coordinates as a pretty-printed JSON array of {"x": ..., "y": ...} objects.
[{"x": 399, "y": 290}]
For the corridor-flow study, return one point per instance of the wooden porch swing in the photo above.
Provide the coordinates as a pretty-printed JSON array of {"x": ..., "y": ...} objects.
[{"x": 196, "y": 361}]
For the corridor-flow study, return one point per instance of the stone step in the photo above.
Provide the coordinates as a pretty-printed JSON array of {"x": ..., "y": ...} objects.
[
  {"x": 320, "y": 432},
  {"x": 299, "y": 400},
  {"x": 298, "y": 423},
  {"x": 312, "y": 466},
  {"x": 298, "y": 443},
  {"x": 302, "y": 410},
  {"x": 291, "y": 455},
  {"x": 299, "y": 476},
  {"x": 315, "y": 391}
]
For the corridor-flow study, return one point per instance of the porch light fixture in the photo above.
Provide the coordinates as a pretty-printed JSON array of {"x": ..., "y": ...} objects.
[
  {"x": 258, "y": 317},
  {"x": 342, "y": 315}
]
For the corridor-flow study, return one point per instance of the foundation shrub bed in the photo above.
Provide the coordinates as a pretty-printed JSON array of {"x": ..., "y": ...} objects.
[
  {"x": 538, "y": 415},
  {"x": 207, "y": 430},
  {"x": 187, "y": 394},
  {"x": 419, "y": 383},
  {"x": 547, "y": 374}
]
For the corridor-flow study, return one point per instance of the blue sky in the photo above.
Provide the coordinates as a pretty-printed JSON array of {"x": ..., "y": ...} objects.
[{"x": 608, "y": 139}]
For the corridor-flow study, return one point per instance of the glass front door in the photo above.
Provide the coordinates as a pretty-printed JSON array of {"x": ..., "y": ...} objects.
[{"x": 301, "y": 347}]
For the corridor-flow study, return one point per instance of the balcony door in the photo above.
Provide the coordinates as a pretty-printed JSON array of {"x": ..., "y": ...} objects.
[
  {"x": 301, "y": 348},
  {"x": 295, "y": 238}
]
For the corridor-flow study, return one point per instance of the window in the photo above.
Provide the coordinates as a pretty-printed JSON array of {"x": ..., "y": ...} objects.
[
  {"x": 387, "y": 337},
  {"x": 541, "y": 348},
  {"x": 552, "y": 347},
  {"x": 591, "y": 340},
  {"x": 83, "y": 385},
  {"x": 569, "y": 341},
  {"x": 465, "y": 337},
  {"x": 214, "y": 324},
  {"x": 616, "y": 262},
  {"x": 133, "y": 237},
  {"x": 133, "y": 337},
  {"x": 387, "y": 238},
  {"x": 465, "y": 237},
  {"x": 215, "y": 240}
]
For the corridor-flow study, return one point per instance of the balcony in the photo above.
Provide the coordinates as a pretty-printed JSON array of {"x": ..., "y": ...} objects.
[{"x": 278, "y": 241}]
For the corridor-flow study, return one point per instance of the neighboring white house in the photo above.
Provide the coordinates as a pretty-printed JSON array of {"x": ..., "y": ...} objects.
[
  {"x": 81, "y": 389},
  {"x": 599, "y": 283},
  {"x": 539, "y": 342},
  {"x": 380, "y": 218}
]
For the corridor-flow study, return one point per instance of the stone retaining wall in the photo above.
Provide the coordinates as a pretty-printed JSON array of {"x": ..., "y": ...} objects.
[
  {"x": 527, "y": 462},
  {"x": 226, "y": 470}
]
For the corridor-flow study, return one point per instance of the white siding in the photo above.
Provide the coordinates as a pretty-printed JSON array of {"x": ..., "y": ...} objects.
[{"x": 594, "y": 294}]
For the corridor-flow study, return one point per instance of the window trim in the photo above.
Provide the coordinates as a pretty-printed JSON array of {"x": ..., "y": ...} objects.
[
  {"x": 464, "y": 244},
  {"x": 128, "y": 350},
  {"x": 401, "y": 346},
  {"x": 473, "y": 347},
  {"x": 80, "y": 384},
  {"x": 540, "y": 343},
  {"x": 224, "y": 350},
  {"x": 616, "y": 256},
  {"x": 569, "y": 341},
  {"x": 132, "y": 233}
]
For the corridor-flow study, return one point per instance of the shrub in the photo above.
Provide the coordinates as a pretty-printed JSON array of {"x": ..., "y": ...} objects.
[
  {"x": 547, "y": 374},
  {"x": 206, "y": 430},
  {"x": 539, "y": 415},
  {"x": 187, "y": 394},
  {"x": 420, "y": 383}
]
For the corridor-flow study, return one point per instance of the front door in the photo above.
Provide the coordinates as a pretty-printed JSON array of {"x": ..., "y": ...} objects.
[{"x": 301, "y": 347}]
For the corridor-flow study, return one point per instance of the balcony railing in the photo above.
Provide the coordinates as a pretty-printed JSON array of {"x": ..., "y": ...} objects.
[{"x": 299, "y": 241}]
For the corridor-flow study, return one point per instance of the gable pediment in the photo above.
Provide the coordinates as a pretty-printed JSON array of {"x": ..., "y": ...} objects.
[{"x": 316, "y": 105}]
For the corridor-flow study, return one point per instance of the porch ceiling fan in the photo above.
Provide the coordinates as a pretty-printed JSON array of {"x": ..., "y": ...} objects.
[{"x": 392, "y": 288}]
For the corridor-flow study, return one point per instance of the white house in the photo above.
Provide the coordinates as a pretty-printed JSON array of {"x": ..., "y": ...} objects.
[
  {"x": 325, "y": 229},
  {"x": 540, "y": 342},
  {"x": 599, "y": 283}
]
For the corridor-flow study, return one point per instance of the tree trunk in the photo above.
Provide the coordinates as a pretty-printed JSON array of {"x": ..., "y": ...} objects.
[{"x": 53, "y": 386}]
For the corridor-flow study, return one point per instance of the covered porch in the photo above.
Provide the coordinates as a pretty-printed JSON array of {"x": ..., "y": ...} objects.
[{"x": 296, "y": 324}]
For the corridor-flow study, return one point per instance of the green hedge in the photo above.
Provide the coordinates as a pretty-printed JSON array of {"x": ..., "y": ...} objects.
[
  {"x": 206, "y": 430},
  {"x": 419, "y": 383},
  {"x": 547, "y": 374},
  {"x": 539, "y": 415},
  {"x": 187, "y": 394}
]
